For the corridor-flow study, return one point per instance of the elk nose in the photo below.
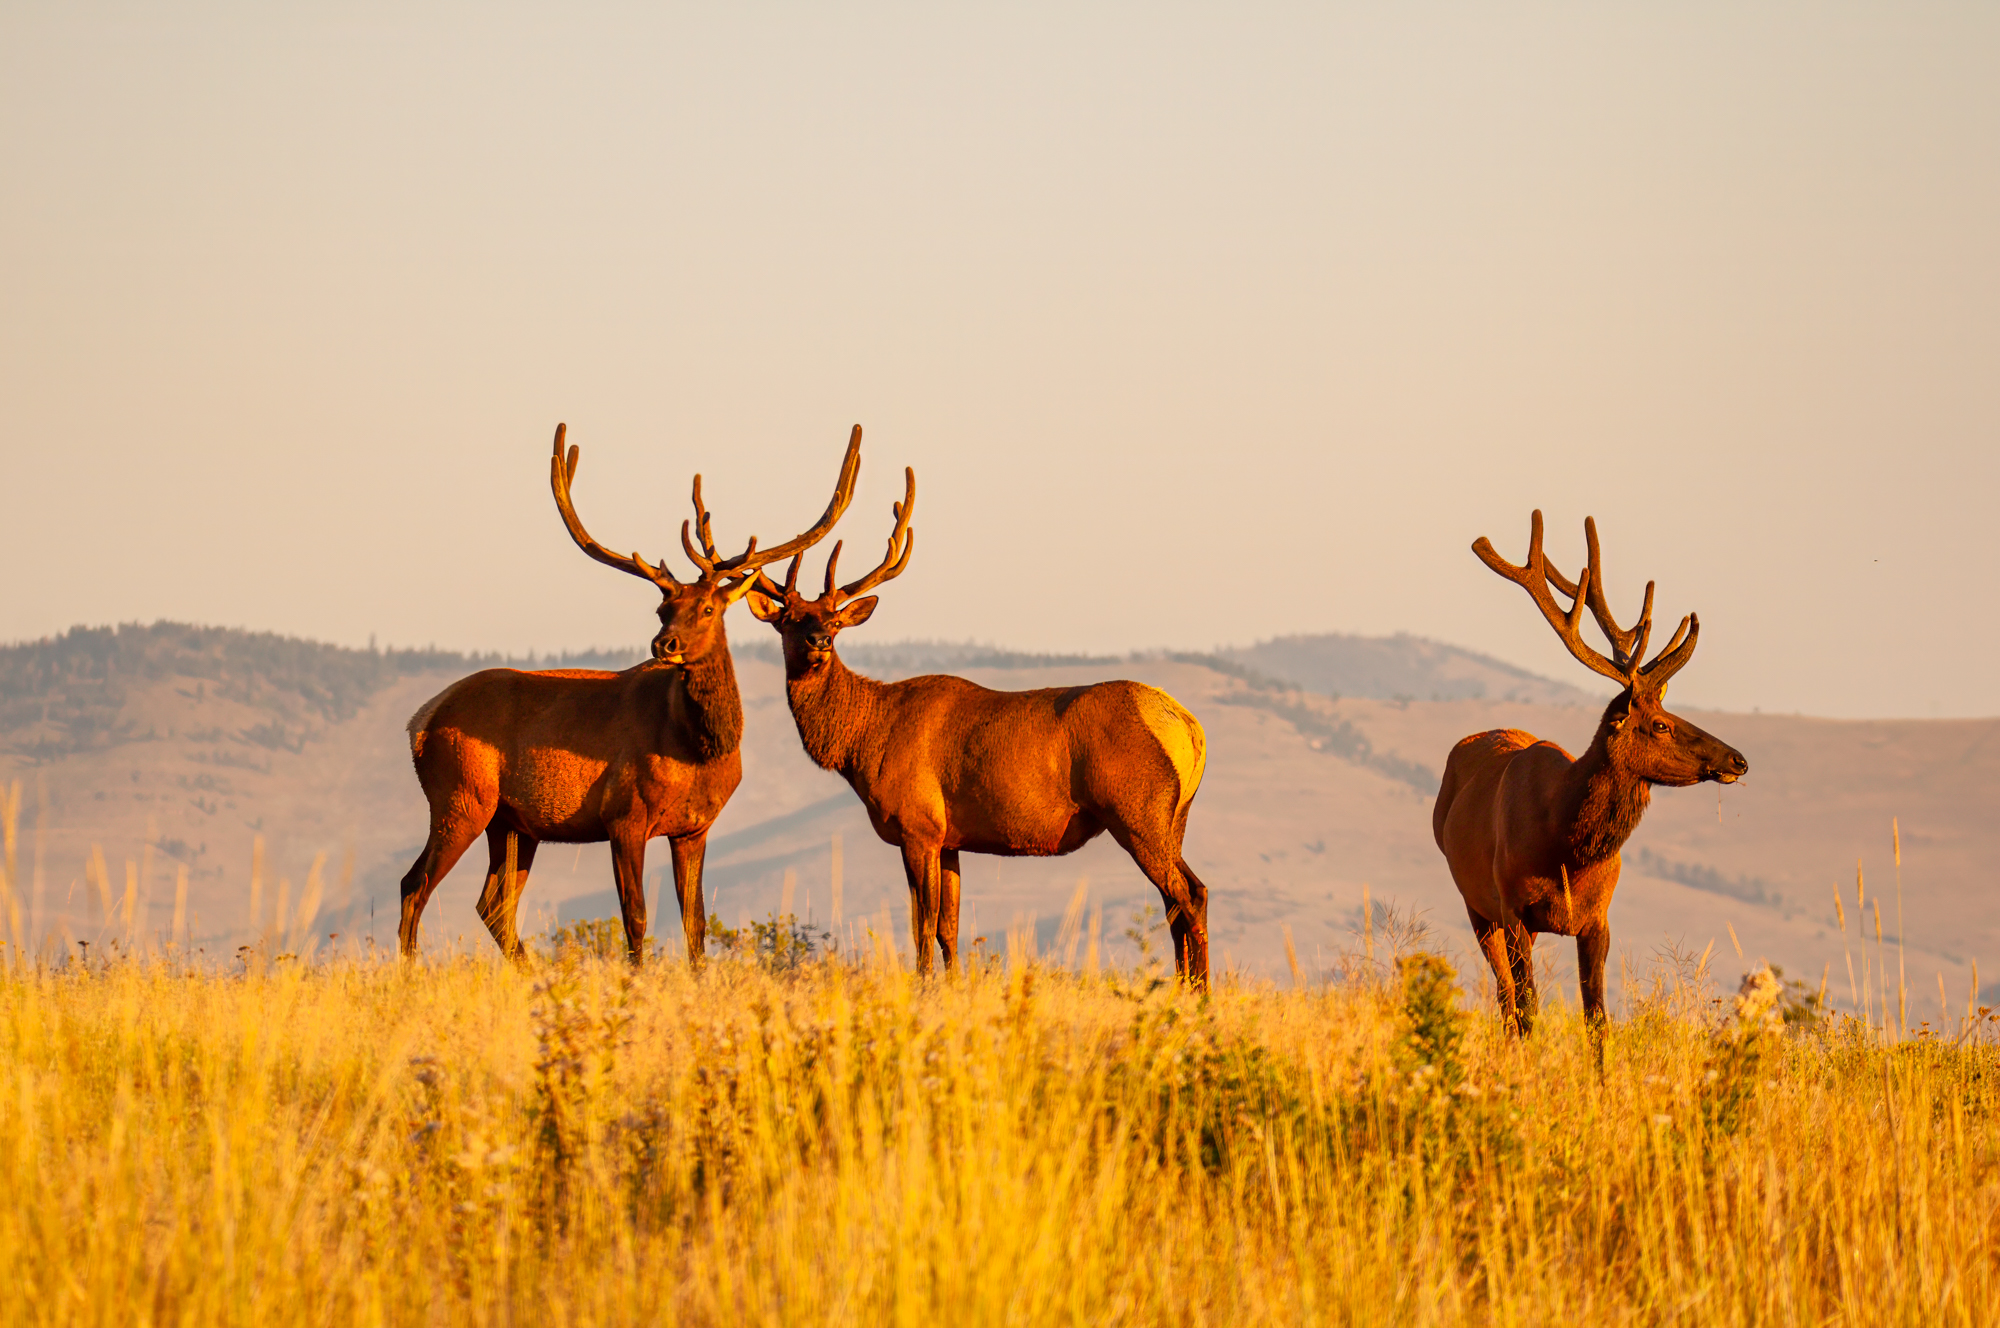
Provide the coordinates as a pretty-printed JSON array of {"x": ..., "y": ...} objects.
[
  {"x": 1736, "y": 765},
  {"x": 820, "y": 641}
]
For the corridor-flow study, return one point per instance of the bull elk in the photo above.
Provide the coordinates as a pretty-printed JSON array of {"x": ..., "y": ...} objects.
[
  {"x": 579, "y": 756},
  {"x": 945, "y": 766},
  {"x": 1532, "y": 835}
]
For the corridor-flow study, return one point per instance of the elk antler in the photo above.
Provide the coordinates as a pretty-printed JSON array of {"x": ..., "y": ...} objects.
[
  {"x": 1628, "y": 646},
  {"x": 562, "y": 471},
  {"x": 1678, "y": 652},
  {"x": 902, "y": 541},
  {"x": 752, "y": 558}
]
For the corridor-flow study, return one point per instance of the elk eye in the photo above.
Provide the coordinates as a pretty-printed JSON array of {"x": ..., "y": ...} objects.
[{"x": 1660, "y": 726}]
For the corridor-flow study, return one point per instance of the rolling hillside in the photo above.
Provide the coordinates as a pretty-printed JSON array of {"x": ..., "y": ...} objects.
[{"x": 165, "y": 747}]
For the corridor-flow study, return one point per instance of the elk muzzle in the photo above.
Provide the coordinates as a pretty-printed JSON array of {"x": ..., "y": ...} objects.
[
  {"x": 669, "y": 649},
  {"x": 1731, "y": 768},
  {"x": 1716, "y": 759}
]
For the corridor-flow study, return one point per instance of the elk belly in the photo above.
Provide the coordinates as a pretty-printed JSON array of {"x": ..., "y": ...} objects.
[{"x": 1051, "y": 842}]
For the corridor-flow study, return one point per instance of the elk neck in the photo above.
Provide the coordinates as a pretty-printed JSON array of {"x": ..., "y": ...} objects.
[
  {"x": 1602, "y": 800},
  {"x": 836, "y": 710},
  {"x": 714, "y": 706}
]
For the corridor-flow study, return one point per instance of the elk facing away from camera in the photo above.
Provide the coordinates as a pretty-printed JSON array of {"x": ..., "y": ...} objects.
[
  {"x": 1533, "y": 835},
  {"x": 579, "y": 756},
  {"x": 945, "y": 766}
]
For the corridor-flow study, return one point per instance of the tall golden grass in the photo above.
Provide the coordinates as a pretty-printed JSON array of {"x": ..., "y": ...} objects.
[{"x": 836, "y": 1141}]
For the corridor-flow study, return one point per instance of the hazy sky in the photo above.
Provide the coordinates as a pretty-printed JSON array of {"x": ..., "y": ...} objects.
[{"x": 1200, "y": 324}]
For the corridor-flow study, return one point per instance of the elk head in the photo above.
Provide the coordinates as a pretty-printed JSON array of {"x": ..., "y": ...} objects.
[
  {"x": 1641, "y": 736},
  {"x": 807, "y": 626},
  {"x": 691, "y": 612}
]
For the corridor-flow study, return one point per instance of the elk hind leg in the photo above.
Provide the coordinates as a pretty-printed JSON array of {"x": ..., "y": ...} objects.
[
  {"x": 1184, "y": 897},
  {"x": 947, "y": 919},
  {"x": 1192, "y": 943},
  {"x": 500, "y": 901},
  {"x": 449, "y": 838}
]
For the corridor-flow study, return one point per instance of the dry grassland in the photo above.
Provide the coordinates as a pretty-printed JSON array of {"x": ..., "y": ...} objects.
[{"x": 806, "y": 1140}]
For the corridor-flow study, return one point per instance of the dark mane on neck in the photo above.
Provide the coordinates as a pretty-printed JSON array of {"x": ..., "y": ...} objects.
[
  {"x": 1608, "y": 802},
  {"x": 832, "y": 708},
  {"x": 715, "y": 707}
]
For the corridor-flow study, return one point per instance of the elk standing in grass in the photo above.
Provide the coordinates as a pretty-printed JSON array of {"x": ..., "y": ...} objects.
[
  {"x": 577, "y": 756},
  {"x": 1533, "y": 835},
  {"x": 945, "y": 766}
]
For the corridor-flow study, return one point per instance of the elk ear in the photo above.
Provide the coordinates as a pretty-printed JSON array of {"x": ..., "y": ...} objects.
[
  {"x": 764, "y": 607},
  {"x": 853, "y": 615},
  {"x": 1619, "y": 711}
]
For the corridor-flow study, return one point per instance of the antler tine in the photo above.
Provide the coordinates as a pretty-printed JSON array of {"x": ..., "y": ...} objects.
[
  {"x": 1641, "y": 633},
  {"x": 562, "y": 471},
  {"x": 1631, "y": 645},
  {"x": 1536, "y": 578},
  {"x": 1670, "y": 661},
  {"x": 902, "y": 540},
  {"x": 843, "y": 494},
  {"x": 832, "y": 561},
  {"x": 772, "y": 588},
  {"x": 1523, "y": 574},
  {"x": 705, "y": 558},
  {"x": 1627, "y": 647}
]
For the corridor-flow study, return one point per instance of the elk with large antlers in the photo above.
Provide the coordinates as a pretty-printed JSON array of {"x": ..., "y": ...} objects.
[
  {"x": 579, "y": 756},
  {"x": 1532, "y": 835},
  {"x": 945, "y": 766}
]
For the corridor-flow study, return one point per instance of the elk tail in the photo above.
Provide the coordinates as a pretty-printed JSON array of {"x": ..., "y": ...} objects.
[
  {"x": 1197, "y": 766},
  {"x": 1200, "y": 765},
  {"x": 420, "y": 722},
  {"x": 1181, "y": 739}
]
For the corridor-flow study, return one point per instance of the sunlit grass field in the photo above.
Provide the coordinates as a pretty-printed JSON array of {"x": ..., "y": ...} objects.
[{"x": 803, "y": 1139}]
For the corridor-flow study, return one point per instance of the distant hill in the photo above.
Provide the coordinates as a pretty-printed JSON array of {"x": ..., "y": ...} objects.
[
  {"x": 68, "y": 694},
  {"x": 1400, "y": 668},
  {"x": 909, "y": 659},
  {"x": 1387, "y": 668},
  {"x": 144, "y": 752}
]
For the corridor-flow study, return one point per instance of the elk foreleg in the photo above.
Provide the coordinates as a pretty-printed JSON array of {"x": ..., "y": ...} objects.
[
  {"x": 925, "y": 872},
  {"x": 446, "y": 845},
  {"x": 500, "y": 901},
  {"x": 1521, "y": 959},
  {"x": 628, "y": 869},
  {"x": 689, "y": 853},
  {"x": 947, "y": 923},
  {"x": 1593, "y": 945},
  {"x": 1492, "y": 940}
]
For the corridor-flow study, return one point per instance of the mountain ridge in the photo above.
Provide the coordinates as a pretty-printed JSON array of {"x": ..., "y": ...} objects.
[{"x": 190, "y": 750}]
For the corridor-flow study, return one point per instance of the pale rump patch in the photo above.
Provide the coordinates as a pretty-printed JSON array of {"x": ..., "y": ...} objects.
[
  {"x": 421, "y": 720},
  {"x": 1180, "y": 737}
]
